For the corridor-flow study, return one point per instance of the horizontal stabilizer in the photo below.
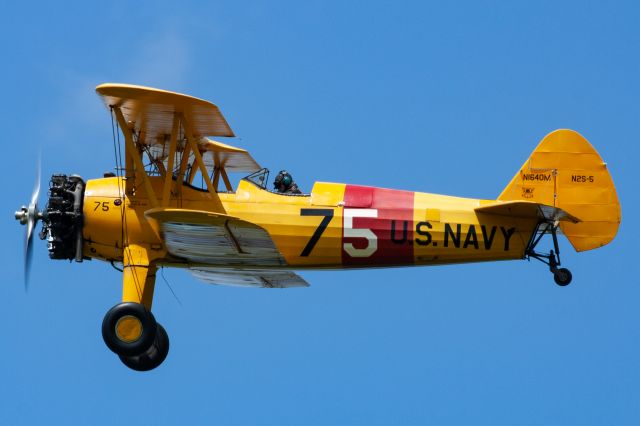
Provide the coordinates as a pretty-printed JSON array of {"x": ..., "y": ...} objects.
[
  {"x": 527, "y": 209},
  {"x": 267, "y": 278}
]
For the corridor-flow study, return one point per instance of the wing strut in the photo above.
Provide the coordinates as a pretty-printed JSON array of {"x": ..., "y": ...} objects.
[
  {"x": 156, "y": 123},
  {"x": 168, "y": 178},
  {"x": 203, "y": 169},
  {"x": 130, "y": 149}
]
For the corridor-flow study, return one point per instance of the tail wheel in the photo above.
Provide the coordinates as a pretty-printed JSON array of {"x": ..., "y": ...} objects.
[
  {"x": 152, "y": 357},
  {"x": 129, "y": 329},
  {"x": 562, "y": 276}
]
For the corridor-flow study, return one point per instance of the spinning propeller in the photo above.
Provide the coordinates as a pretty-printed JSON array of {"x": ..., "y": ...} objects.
[{"x": 29, "y": 216}]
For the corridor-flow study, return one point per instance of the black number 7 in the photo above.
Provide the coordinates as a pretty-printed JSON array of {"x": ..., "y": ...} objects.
[{"x": 328, "y": 215}]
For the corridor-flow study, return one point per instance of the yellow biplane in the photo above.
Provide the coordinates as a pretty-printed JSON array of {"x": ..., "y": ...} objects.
[{"x": 171, "y": 203}]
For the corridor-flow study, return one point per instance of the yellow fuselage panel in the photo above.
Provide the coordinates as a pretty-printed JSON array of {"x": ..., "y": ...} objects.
[{"x": 336, "y": 226}]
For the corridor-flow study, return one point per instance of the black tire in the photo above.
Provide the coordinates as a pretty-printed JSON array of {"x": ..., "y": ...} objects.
[
  {"x": 562, "y": 277},
  {"x": 153, "y": 357},
  {"x": 132, "y": 347}
]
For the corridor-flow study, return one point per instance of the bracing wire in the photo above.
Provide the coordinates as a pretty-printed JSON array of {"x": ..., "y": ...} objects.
[
  {"x": 115, "y": 267},
  {"x": 121, "y": 194},
  {"x": 115, "y": 150},
  {"x": 169, "y": 285}
]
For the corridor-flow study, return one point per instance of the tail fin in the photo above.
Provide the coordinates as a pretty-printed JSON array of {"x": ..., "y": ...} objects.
[{"x": 566, "y": 172}]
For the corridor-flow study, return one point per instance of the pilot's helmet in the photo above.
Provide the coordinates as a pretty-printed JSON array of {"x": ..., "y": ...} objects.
[{"x": 283, "y": 178}]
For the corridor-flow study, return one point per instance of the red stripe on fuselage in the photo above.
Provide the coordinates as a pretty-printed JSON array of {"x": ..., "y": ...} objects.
[{"x": 377, "y": 226}]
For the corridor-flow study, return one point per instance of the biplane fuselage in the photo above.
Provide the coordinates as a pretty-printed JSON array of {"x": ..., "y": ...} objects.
[{"x": 353, "y": 226}]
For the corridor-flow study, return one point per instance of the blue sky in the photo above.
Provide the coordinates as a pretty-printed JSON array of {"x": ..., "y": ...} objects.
[{"x": 428, "y": 96}]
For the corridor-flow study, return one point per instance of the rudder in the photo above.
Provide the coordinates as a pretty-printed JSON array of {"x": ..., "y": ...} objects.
[{"x": 565, "y": 171}]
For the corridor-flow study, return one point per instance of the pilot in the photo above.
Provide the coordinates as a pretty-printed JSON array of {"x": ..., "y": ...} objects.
[{"x": 284, "y": 183}]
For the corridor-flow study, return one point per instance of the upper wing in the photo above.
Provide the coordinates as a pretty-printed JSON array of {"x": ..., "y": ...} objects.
[
  {"x": 215, "y": 155},
  {"x": 227, "y": 157},
  {"x": 527, "y": 209},
  {"x": 170, "y": 129},
  {"x": 203, "y": 237},
  {"x": 265, "y": 278},
  {"x": 151, "y": 111}
]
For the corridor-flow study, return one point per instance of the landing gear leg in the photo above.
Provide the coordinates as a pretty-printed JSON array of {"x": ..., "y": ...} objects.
[
  {"x": 129, "y": 329},
  {"x": 562, "y": 276}
]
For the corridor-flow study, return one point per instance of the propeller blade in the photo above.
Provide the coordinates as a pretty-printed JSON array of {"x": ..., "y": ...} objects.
[
  {"x": 32, "y": 216},
  {"x": 36, "y": 189},
  {"x": 28, "y": 253}
]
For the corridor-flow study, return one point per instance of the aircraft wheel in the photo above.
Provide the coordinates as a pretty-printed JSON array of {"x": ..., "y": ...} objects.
[
  {"x": 562, "y": 277},
  {"x": 152, "y": 357},
  {"x": 129, "y": 329}
]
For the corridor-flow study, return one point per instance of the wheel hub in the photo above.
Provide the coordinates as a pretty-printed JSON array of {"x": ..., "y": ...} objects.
[{"x": 128, "y": 329}]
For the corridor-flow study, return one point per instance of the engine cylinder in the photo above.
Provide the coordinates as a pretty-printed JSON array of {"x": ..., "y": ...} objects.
[{"x": 63, "y": 219}]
